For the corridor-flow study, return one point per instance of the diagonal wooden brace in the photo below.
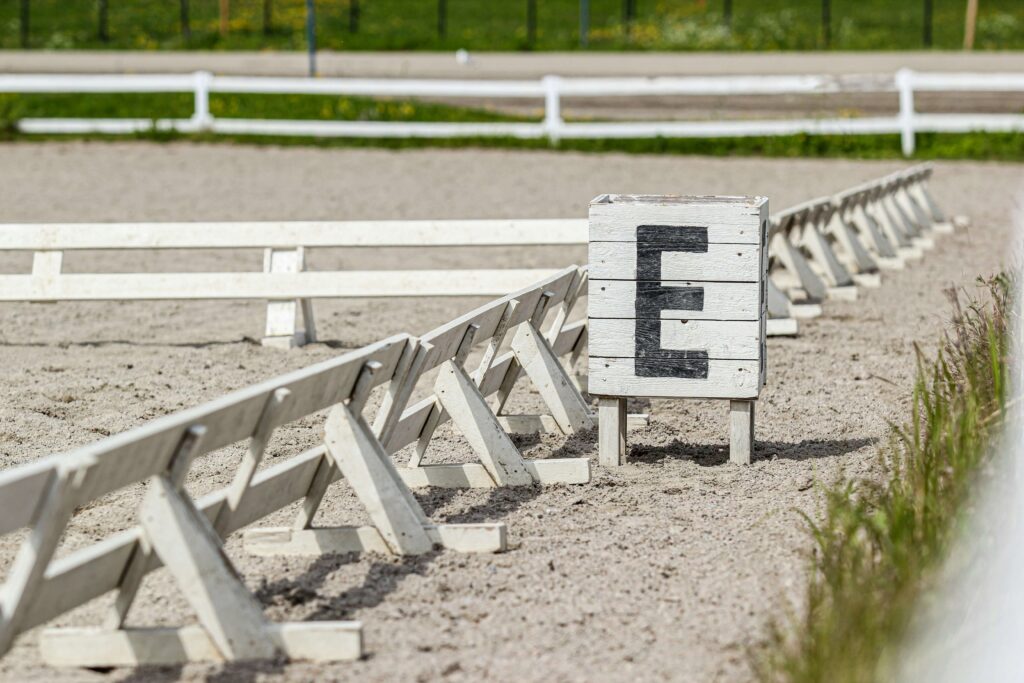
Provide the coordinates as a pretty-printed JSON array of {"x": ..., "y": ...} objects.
[{"x": 552, "y": 382}]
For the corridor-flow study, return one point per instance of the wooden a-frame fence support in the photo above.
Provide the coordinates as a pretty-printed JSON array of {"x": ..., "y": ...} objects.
[
  {"x": 231, "y": 623},
  {"x": 399, "y": 525},
  {"x": 458, "y": 396}
]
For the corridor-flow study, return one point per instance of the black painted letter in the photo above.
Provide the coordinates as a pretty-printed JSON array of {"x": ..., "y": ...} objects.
[{"x": 652, "y": 298}]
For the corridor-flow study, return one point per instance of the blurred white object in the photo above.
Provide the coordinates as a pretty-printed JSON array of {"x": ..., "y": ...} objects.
[
  {"x": 972, "y": 626},
  {"x": 462, "y": 56}
]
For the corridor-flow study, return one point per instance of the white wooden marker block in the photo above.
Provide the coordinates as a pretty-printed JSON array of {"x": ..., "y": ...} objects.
[{"x": 678, "y": 307}]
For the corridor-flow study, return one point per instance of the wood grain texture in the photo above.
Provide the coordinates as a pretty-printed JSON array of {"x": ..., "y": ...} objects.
[
  {"x": 721, "y": 263},
  {"x": 615, "y": 217},
  {"x": 735, "y": 379},
  {"x": 741, "y": 432},
  {"x": 291, "y": 234},
  {"x": 735, "y": 339},
  {"x": 722, "y": 300}
]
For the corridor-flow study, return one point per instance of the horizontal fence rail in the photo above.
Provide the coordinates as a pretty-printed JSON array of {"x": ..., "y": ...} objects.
[
  {"x": 818, "y": 250},
  {"x": 551, "y": 89}
]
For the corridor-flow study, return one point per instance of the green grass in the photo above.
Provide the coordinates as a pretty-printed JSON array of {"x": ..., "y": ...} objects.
[
  {"x": 501, "y": 25},
  {"x": 880, "y": 544},
  {"x": 180, "y": 105}
]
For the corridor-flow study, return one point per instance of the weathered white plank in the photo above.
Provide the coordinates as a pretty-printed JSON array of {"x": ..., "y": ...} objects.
[
  {"x": 611, "y": 437},
  {"x": 722, "y": 300},
  {"x": 726, "y": 379},
  {"x": 551, "y": 381},
  {"x": 248, "y": 285},
  {"x": 726, "y": 224},
  {"x": 21, "y": 492},
  {"x": 782, "y": 327},
  {"x": 721, "y": 262},
  {"x": 467, "y": 538},
  {"x": 468, "y": 475},
  {"x": 191, "y": 552},
  {"x": 287, "y": 235},
  {"x": 376, "y": 483},
  {"x": 616, "y": 337},
  {"x": 471, "y": 538},
  {"x": 320, "y": 641},
  {"x": 741, "y": 431},
  {"x": 460, "y": 397},
  {"x": 473, "y": 475},
  {"x": 545, "y": 424}
]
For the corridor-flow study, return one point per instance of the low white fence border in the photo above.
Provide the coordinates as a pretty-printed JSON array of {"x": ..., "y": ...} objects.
[
  {"x": 818, "y": 250},
  {"x": 551, "y": 89}
]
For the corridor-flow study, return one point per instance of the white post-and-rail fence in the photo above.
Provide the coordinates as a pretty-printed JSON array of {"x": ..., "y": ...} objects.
[
  {"x": 818, "y": 250},
  {"x": 185, "y": 534},
  {"x": 821, "y": 249},
  {"x": 550, "y": 89}
]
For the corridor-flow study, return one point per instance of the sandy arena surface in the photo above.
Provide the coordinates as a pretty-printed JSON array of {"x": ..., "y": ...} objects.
[{"x": 664, "y": 570}]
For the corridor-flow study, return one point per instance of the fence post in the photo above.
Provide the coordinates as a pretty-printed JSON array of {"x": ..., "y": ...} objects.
[
  {"x": 201, "y": 114},
  {"x": 905, "y": 85},
  {"x": 311, "y": 36},
  {"x": 584, "y": 23},
  {"x": 552, "y": 107},
  {"x": 23, "y": 23}
]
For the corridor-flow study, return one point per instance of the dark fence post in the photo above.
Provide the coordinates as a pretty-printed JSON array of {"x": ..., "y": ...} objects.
[
  {"x": 268, "y": 16},
  {"x": 353, "y": 16},
  {"x": 186, "y": 28},
  {"x": 442, "y": 18},
  {"x": 826, "y": 22},
  {"x": 24, "y": 18},
  {"x": 311, "y": 35},
  {"x": 102, "y": 30},
  {"x": 727, "y": 12},
  {"x": 531, "y": 22},
  {"x": 584, "y": 23},
  {"x": 628, "y": 14},
  {"x": 927, "y": 23}
]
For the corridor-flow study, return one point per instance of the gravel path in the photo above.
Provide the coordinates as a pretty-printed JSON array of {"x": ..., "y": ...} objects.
[
  {"x": 502, "y": 64},
  {"x": 666, "y": 569}
]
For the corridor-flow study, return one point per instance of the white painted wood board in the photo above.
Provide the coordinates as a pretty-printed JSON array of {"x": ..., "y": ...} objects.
[
  {"x": 735, "y": 220},
  {"x": 722, "y": 300},
  {"x": 251, "y": 285},
  {"x": 721, "y": 262},
  {"x": 285, "y": 235},
  {"x": 735, "y": 339},
  {"x": 726, "y": 379}
]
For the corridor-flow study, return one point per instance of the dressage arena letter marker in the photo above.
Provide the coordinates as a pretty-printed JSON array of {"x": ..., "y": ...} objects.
[{"x": 677, "y": 307}]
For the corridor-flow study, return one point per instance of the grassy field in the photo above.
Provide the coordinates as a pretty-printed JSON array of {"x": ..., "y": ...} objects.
[
  {"x": 881, "y": 543},
  {"x": 493, "y": 25},
  {"x": 989, "y": 146}
]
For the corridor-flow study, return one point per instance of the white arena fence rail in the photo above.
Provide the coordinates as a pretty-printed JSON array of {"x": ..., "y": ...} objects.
[
  {"x": 185, "y": 534},
  {"x": 550, "y": 89},
  {"x": 818, "y": 250}
]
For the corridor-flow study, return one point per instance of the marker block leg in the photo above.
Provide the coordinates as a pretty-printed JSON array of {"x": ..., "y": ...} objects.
[
  {"x": 611, "y": 438},
  {"x": 741, "y": 431}
]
